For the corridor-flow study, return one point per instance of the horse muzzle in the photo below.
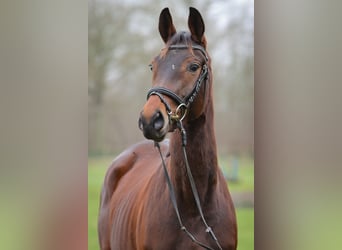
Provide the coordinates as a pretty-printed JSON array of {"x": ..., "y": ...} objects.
[{"x": 154, "y": 127}]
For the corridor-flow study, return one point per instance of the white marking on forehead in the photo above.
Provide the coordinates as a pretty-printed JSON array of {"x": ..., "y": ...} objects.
[{"x": 173, "y": 67}]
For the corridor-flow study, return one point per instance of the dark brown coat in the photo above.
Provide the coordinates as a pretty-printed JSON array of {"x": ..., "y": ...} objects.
[{"x": 135, "y": 209}]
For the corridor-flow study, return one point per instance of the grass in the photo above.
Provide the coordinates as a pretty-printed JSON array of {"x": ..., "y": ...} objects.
[
  {"x": 245, "y": 219},
  {"x": 96, "y": 170},
  {"x": 245, "y": 173},
  {"x": 97, "y": 167}
]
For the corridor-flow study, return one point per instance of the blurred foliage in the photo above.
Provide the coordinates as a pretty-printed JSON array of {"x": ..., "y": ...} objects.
[{"x": 123, "y": 39}]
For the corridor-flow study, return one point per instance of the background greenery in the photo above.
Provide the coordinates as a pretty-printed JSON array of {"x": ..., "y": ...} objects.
[{"x": 97, "y": 167}]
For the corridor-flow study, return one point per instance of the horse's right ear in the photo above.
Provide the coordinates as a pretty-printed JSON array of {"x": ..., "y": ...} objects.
[{"x": 166, "y": 27}]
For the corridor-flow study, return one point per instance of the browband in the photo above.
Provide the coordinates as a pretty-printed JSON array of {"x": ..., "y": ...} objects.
[{"x": 195, "y": 47}]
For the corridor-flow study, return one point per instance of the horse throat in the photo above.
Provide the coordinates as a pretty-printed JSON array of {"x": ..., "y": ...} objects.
[{"x": 202, "y": 158}]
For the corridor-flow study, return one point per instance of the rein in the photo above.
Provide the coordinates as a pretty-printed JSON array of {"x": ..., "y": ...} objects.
[
  {"x": 178, "y": 117},
  {"x": 194, "y": 192}
]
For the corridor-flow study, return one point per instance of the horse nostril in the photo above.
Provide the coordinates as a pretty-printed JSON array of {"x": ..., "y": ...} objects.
[
  {"x": 158, "y": 121},
  {"x": 140, "y": 124}
]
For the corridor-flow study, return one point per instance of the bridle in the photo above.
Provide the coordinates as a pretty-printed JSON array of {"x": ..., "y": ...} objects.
[
  {"x": 177, "y": 116},
  {"x": 183, "y": 103}
]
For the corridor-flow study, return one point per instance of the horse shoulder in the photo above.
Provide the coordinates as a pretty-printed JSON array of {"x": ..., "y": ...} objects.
[
  {"x": 121, "y": 165},
  {"x": 124, "y": 163},
  {"x": 226, "y": 215}
]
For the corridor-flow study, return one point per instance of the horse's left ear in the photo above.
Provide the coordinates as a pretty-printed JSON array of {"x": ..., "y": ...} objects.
[{"x": 196, "y": 26}]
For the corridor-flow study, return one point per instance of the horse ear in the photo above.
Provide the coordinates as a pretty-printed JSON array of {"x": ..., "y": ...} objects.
[
  {"x": 166, "y": 27},
  {"x": 196, "y": 26}
]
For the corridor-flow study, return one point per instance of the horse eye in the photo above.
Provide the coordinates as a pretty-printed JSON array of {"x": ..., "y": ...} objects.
[
  {"x": 150, "y": 66},
  {"x": 193, "y": 67}
]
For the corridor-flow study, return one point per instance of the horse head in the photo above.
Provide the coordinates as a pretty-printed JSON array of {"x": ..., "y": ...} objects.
[{"x": 180, "y": 73}]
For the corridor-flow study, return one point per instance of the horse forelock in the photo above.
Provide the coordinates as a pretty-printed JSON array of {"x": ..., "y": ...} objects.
[{"x": 180, "y": 38}]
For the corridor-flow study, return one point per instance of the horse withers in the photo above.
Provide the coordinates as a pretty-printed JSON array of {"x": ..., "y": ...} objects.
[{"x": 170, "y": 194}]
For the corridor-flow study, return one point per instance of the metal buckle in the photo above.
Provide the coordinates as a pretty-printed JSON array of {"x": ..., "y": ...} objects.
[{"x": 180, "y": 112}]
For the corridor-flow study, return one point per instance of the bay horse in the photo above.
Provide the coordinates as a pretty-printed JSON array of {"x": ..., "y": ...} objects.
[{"x": 171, "y": 194}]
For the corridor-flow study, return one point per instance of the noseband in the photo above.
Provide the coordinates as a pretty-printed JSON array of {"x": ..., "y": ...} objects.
[{"x": 183, "y": 103}]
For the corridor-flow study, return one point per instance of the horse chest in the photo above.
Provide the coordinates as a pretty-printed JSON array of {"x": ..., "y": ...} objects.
[{"x": 164, "y": 232}]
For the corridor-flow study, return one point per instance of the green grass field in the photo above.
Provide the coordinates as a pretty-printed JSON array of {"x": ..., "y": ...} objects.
[{"x": 97, "y": 167}]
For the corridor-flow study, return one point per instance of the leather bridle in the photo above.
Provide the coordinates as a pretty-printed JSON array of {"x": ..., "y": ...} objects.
[
  {"x": 178, "y": 116},
  {"x": 183, "y": 103}
]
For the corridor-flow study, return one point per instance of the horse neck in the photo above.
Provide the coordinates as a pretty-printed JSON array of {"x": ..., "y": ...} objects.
[{"x": 202, "y": 158}]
